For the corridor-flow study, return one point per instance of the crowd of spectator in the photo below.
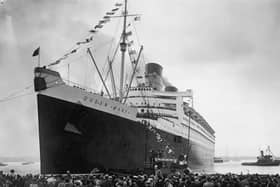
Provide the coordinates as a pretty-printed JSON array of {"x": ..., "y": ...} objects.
[{"x": 143, "y": 180}]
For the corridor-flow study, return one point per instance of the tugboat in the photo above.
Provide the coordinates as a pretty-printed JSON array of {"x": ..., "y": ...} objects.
[{"x": 264, "y": 159}]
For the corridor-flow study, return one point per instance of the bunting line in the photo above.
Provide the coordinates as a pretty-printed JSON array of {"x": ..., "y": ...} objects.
[{"x": 100, "y": 25}]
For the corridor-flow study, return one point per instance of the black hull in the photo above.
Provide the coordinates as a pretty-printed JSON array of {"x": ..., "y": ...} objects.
[{"x": 102, "y": 140}]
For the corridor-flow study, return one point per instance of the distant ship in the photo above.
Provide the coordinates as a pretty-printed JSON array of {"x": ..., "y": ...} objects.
[
  {"x": 264, "y": 159},
  {"x": 218, "y": 160},
  {"x": 145, "y": 125}
]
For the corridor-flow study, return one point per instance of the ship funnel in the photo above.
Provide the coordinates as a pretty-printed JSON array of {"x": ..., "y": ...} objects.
[
  {"x": 262, "y": 155},
  {"x": 153, "y": 72}
]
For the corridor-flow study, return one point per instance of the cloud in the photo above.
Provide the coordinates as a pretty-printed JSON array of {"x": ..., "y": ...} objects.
[{"x": 211, "y": 31}]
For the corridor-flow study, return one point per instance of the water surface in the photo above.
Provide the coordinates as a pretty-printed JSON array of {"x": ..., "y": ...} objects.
[{"x": 223, "y": 168}]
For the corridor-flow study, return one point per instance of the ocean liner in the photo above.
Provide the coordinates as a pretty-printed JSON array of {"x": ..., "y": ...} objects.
[{"x": 147, "y": 124}]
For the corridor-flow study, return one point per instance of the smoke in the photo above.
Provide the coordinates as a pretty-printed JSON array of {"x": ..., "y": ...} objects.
[{"x": 165, "y": 81}]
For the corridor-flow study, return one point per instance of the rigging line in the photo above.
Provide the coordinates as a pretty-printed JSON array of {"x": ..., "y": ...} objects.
[
  {"x": 132, "y": 59},
  {"x": 133, "y": 74},
  {"x": 138, "y": 40},
  {"x": 114, "y": 55},
  {"x": 111, "y": 46},
  {"x": 93, "y": 60},
  {"x": 105, "y": 64},
  {"x": 137, "y": 36},
  {"x": 159, "y": 138},
  {"x": 19, "y": 91},
  {"x": 145, "y": 99},
  {"x": 112, "y": 60},
  {"x": 67, "y": 52},
  {"x": 82, "y": 55},
  {"x": 116, "y": 28},
  {"x": 15, "y": 97},
  {"x": 112, "y": 79},
  {"x": 133, "y": 67},
  {"x": 76, "y": 46},
  {"x": 74, "y": 61},
  {"x": 130, "y": 55},
  {"x": 101, "y": 45},
  {"x": 142, "y": 94},
  {"x": 148, "y": 104}
]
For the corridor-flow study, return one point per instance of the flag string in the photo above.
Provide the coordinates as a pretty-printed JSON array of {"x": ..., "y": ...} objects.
[{"x": 88, "y": 38}]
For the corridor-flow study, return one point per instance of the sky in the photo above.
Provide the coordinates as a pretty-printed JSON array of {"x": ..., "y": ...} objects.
[{"x": 227, "y": 51}]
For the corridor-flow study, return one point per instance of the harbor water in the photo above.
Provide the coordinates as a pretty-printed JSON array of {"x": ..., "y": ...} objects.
[
  {"x": 237, "y": 168},
  {"x": 222, "y": 168}
]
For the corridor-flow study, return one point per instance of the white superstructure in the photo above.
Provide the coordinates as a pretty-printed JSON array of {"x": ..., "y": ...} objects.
[{"x": 167, "y": 111}]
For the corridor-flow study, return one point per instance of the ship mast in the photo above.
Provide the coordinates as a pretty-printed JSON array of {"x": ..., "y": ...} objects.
[{"x": 123, "y": 50}]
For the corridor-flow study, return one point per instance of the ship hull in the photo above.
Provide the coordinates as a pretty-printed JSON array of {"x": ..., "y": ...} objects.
[
  {"x": 78, "y": 138},
  {"x": 272, "y": 163}
]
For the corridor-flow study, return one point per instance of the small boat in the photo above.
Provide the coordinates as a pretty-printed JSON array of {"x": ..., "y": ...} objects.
[
  {"x": 27, "y": 163},
  {"x": 264, "y": 159},
  {"x": 3, "y": 164}
]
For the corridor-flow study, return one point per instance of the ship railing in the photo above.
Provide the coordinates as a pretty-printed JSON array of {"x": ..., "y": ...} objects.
[
  {"x": 140, "y": 88},
  {"x": 197, "y": 118},
  {"x": 156, "y": 107},
  {"x": 155, "y": 116},
  {"x": 147, "y": 115},
  {"x": 82, "y": 87}
]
